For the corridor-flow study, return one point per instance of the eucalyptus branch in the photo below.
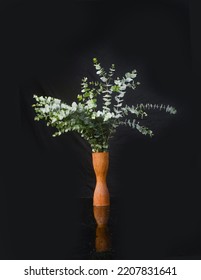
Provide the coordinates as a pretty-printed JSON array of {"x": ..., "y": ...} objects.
[
  {"x": 97, "y": 126},
  {"x": 148, "y": 106}
]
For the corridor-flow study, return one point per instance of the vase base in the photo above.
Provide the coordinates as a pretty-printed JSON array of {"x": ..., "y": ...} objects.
[
  {"x": 101, "y": 204},
  {"x": 101, "y": 196}
]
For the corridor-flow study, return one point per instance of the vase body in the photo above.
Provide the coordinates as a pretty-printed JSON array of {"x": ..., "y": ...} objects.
[{"x": 100, "y": 161}]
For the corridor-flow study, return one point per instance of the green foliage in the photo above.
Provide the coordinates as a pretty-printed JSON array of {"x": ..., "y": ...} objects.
[{"x": 95, "y": 125}]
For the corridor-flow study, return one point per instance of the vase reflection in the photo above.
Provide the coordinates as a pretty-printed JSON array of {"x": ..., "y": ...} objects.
[{"x": 102, "y": 241}]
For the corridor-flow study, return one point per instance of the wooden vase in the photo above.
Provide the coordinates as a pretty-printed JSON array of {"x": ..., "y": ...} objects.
[{"x": 100, "y": 161}]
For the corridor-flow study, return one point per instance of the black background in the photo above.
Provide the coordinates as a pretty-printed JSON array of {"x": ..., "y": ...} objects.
[{"x": 47, "y": 47}]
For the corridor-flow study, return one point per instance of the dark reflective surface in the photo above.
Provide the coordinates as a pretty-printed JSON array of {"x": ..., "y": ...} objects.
[
  {"x": 98, "y": 231},
  {"x": 102, "y": 240},
  {"x": 74, "y": 229},
  {"x": 121, "y": 231}
]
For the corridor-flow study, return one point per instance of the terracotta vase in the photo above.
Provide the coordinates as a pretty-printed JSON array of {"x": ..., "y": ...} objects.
[
  {"x": 100, "y": 161},
  {"x": 102, "y": 242}
]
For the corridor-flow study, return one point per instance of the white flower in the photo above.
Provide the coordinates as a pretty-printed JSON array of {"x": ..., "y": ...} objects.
[
  {"x": 80, "y": 106},
  {"x": 64, "y": 106},
  {"x": 55, "y": 106},
  {"x": 42, "y": 110},
  {"x": 41, "y": 98},
  {"x": 74, "y": 106},
  {"x": 46, "y": 109},
  {"x": 57, "y": 101},
  {"x": 61, "y": 115},
  {"x": 54, "y": 119}
]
